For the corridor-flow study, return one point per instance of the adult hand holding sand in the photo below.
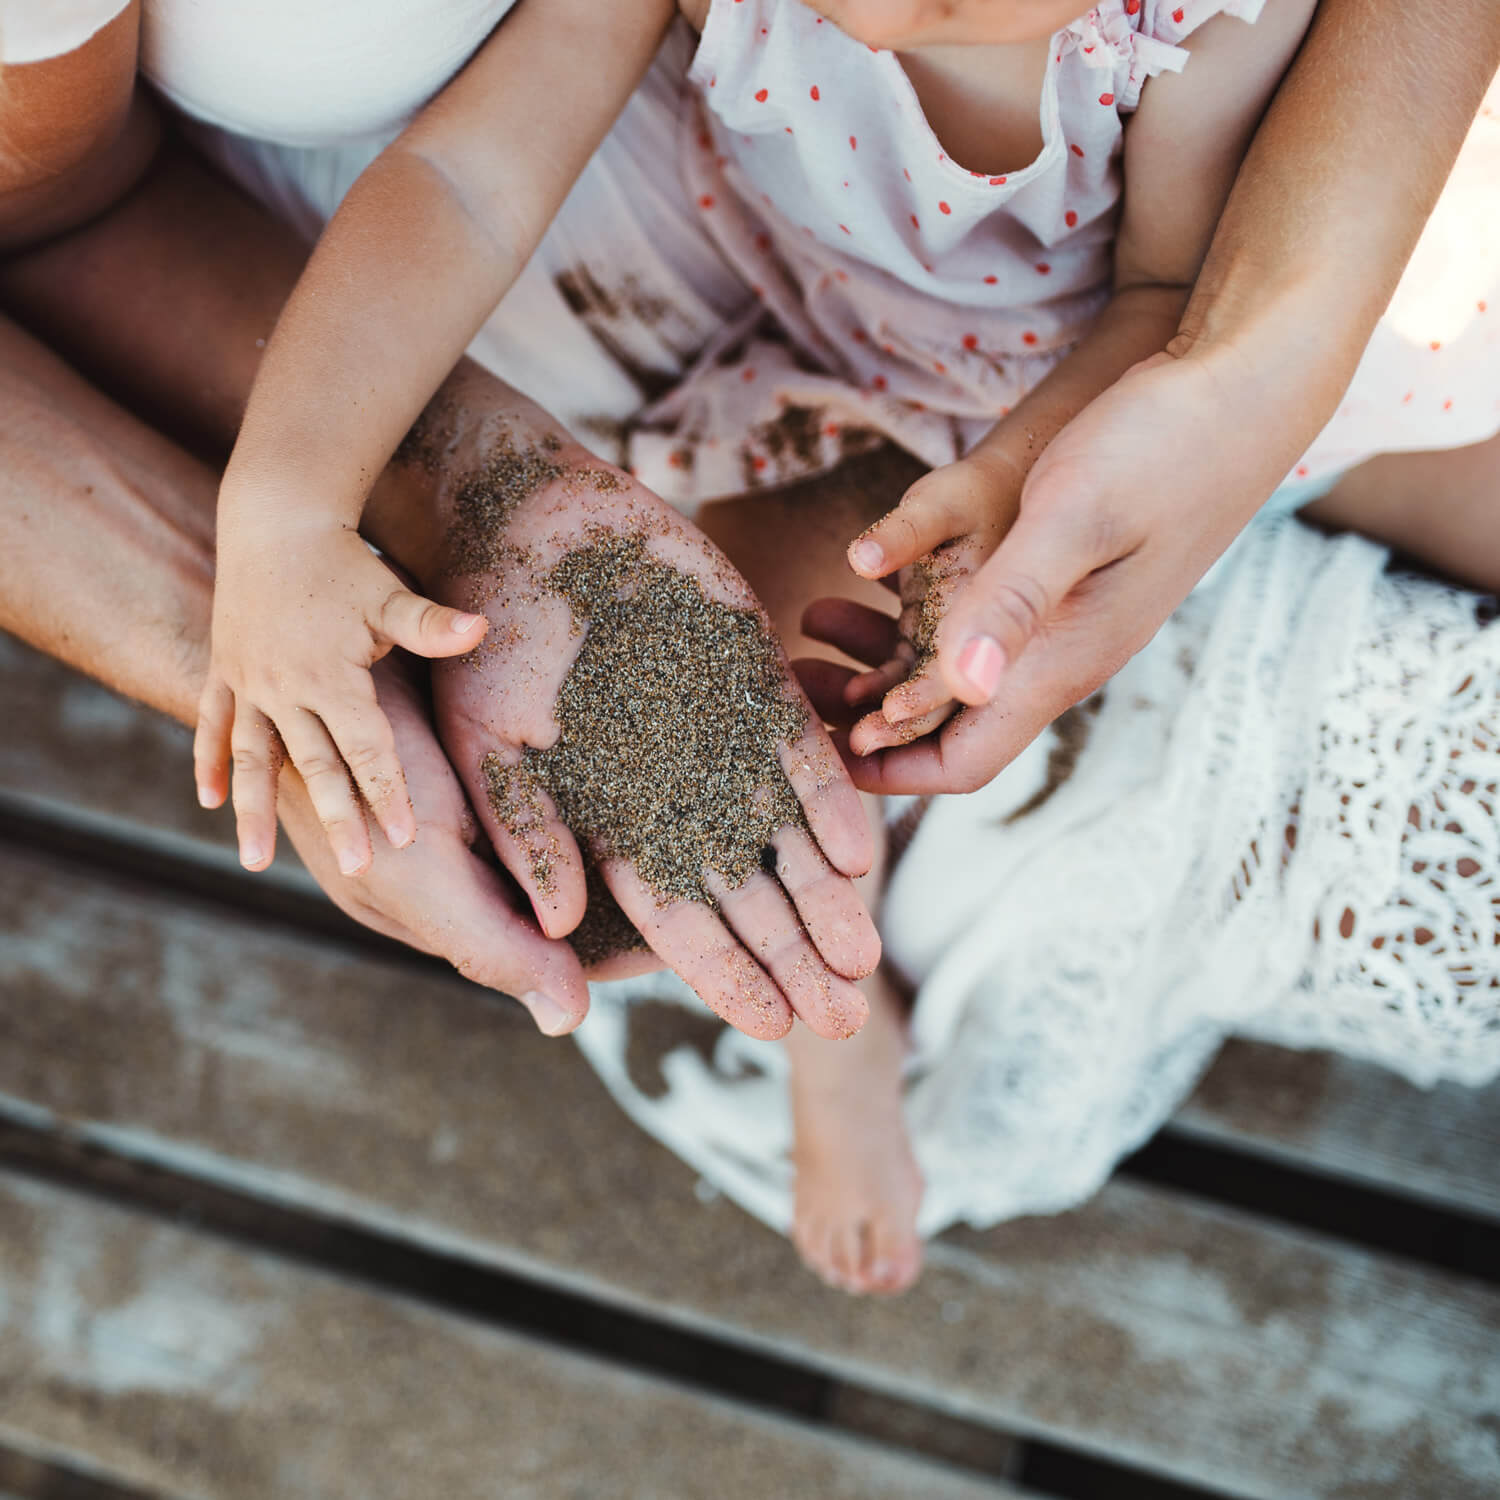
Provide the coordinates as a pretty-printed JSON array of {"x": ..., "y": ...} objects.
[
  {"x": 630, "y": 698},
  {"x": 1132, "y": 501}
]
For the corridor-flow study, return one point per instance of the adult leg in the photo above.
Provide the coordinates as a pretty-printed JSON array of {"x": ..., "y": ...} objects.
[
  {"x": 858, "y": 1186},
  {"x": 1441, "y": 507}
]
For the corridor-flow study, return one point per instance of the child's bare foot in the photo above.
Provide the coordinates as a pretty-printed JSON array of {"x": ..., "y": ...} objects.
[
  {"x": 858, "y": 1185},
  {"x": 785, "y": 934}
]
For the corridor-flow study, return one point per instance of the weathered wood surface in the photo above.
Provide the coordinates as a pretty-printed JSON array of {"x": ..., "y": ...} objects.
[
  {"x": 171, "y": 1360},
  {"x": 1148, "y": 1328},
  {"x": 68, "y": 745},
  {"x": 95, "y": 760},
  {"x": 1331, "y": 1113}
]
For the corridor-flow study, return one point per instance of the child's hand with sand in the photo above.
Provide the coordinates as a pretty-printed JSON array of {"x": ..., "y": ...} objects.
[
  {"x": 425, "y": 244},
  {"x": 632, "y": 738},
  {"x": 302, "y": 610}
]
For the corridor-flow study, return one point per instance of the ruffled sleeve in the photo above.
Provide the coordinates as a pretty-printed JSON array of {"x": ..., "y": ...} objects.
[
  {"x": 33, "y": 30},
  {"x": 1137, "y": 39}
]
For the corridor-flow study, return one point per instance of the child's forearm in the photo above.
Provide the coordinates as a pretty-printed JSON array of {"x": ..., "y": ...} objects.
[
  {"x": 1334, "y": 193},
  {"x": 1139, "y": 321},
  {"x": 424, "y": 246},
  {"x": 389, "y": 301}
]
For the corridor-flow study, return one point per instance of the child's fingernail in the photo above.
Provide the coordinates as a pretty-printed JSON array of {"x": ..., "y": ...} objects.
[
  {"x": 981, "y": 662},
  {"x": 868, "y": 554},
  {"x": 205, "y": 796},
  {"x": 349, "y": 862},
  {"x": 400, "y": 837},
  {"x": 463, "y": 624},
  {"x": 550, "y": 1017},
  {"x": 252, "y": 854},
  {"x": 897, "y": 711}
]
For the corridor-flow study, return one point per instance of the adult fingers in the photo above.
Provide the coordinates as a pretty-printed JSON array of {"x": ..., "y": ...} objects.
[
  {"x": 424, "y": 628},
  {"x": 531, "y": 840},
  {"x": 938, "y": 507},
  {"x": 311, "y": 749},
  {"x": 694, "y": 942},
  {"x": 257, "y": 754},
  {"x": 470, "y": 921},
  {"x": 831, "y": 910},
  {"x": 211, "y": 742},
  {"x": 760, "y": 915},
  {"x": 1012, "y": 597},
  {"x": 829, "y": 801}
]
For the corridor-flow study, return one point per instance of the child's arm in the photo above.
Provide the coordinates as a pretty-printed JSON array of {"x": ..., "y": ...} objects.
[
  {"x": 1182, "y": 149},
  {"x": 422, "y": 248}
]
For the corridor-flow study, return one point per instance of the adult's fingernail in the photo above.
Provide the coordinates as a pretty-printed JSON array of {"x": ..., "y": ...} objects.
[
  {"x": 981, "y": 662},
  {"x": 205, "y": 796},
  {"x": 868, "y": 555},
  {"x": 897, "y": 710},
  {"x": 252, "y": 853},
  {"x": 551, "y": 1019},
  {"x": 349, "y": 861},
  {"x": 463, "y": 624}
]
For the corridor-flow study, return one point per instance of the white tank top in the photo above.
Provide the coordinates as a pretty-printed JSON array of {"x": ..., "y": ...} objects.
[{"x": 298, "y": 72}]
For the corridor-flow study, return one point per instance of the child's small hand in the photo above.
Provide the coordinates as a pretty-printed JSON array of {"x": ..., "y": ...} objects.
[
  {"x": 299, "y": 619},
  {"x": 945, "y": 529}
]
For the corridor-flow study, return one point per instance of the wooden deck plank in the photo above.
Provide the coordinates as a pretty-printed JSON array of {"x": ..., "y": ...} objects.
[
  {"x": 75, "y": 750},
  {"x": 174, "y": 1361},
  {"x": 1335, "y": 1115},
  {"x": 1195, "y": 1342},
  {"x": 95, "y": 760}
]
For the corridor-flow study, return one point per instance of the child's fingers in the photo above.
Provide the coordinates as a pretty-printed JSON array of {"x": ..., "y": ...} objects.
[
  {"x": 823, "y": 682},
  {"x": 876, "y": 732},
  {"x": 427, "y": 629},
  {"x": 879, "y": 681},
  {"x": 363, "y": 737},
  {"x": 938, "y": 507},
  {"x": 330, "y": 787},
  {"x": 257, "y": 761},
  {"x": 211, "y": 739},
  {"x": 1009, "y": 599},
  {"x": 855, "y": 629},
  {"x": 922, "y": 693}
]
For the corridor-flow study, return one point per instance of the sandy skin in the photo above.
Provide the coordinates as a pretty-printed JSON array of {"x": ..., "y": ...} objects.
[{"x": 788, "y": 941}]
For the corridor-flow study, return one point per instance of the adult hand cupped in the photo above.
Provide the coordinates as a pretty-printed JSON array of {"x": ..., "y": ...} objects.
[
  {"x": 439, "y": 895},
  {"x": 1120, "y": 517},
  {"x": 695, "y": 697}
]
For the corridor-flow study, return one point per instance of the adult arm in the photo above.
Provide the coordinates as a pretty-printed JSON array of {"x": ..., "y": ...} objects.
[
  {"x": 108, "y": 562},
  {"x": 75, "y": 132},
  {"x": 1324, "y": 214}
]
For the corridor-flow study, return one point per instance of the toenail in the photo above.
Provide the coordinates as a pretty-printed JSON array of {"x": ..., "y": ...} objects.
[{"x": 883, "y": 1270}]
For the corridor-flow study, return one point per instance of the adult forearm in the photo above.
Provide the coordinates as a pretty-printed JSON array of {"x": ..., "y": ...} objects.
[
  {"x": 108, "y": 556},
  {"x": 1335, "y": 190}
]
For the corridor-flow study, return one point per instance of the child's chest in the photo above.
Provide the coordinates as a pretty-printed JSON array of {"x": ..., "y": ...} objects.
[
  {"x": 994, "y": 185},
  {"x": 982, "y": 104}
]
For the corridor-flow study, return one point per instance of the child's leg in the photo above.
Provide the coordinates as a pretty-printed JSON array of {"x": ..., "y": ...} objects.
[
  {"x": 1442, "y": 507},
  {"x": 858, "y": 1187}
]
